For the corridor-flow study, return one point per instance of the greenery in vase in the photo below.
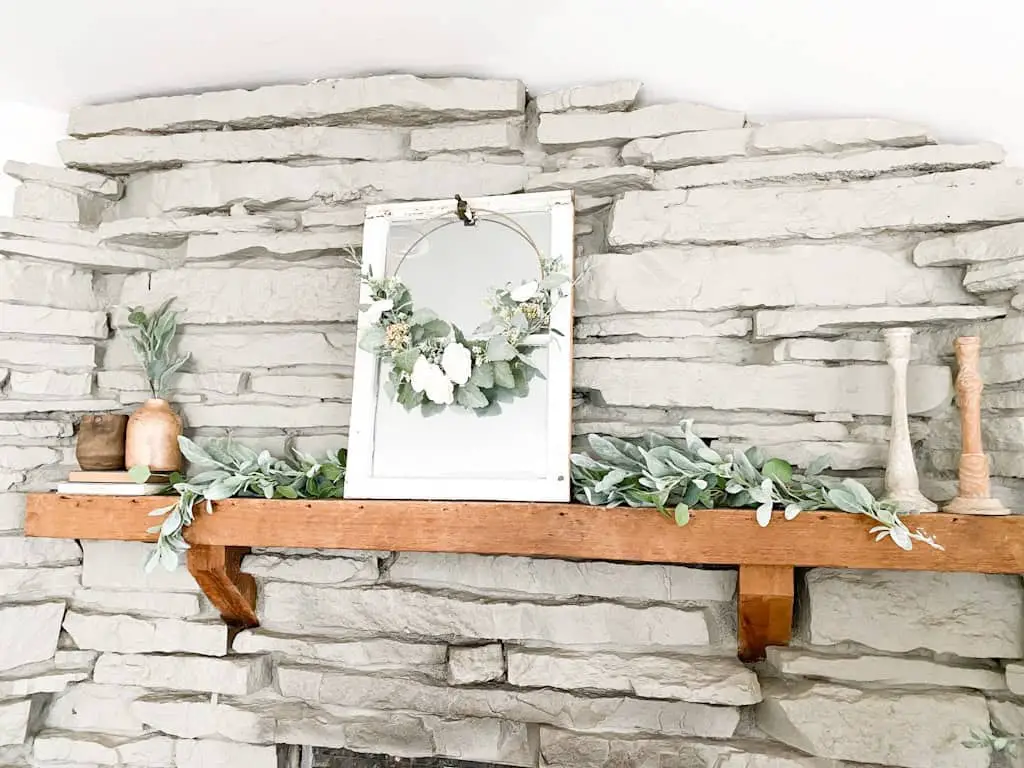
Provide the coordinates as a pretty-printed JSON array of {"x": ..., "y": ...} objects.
[
  {"x": 228, "y": 469},
  {"x": 151, "y": 340},
  {"x": 675, "y": 476}
]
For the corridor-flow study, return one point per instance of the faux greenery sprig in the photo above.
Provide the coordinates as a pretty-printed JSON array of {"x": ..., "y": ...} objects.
[
  {"x": 151, "y": 343},
  {"x": 996, "y": 741},
  {"x": 434, "y": 364},
  {"x": 675, "y": 476},
  {"x": 230, "y": 469}
]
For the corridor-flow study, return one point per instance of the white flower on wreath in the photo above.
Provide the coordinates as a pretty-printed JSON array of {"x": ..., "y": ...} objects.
[
  {"x": 525, "y": 292},
  {"x": 457, "y": 362},
  {"x": 428, "y": 377},
  {"x": 377, "y": 308}
]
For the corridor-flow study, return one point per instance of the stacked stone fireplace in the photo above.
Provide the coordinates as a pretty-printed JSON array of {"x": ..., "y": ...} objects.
[{"x": 737, "y": 273}]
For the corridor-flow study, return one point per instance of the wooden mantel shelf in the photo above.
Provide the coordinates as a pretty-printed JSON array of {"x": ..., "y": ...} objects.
[{"x": 766, "y": 557}]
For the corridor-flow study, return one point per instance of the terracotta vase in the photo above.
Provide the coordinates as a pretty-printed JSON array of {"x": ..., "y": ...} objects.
[
  {"x": 152, "y": 438},
  {"x": 100, "y": 445}
]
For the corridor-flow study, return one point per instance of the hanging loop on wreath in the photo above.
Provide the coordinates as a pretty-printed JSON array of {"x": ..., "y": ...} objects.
[{"x": 433, "y": 363}]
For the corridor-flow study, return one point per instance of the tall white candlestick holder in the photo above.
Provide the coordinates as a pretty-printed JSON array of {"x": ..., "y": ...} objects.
[{"x": 901, "y": 482}]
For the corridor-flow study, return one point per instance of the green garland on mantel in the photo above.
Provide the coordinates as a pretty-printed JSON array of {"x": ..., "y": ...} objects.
[{"x": 672, "y": 476}]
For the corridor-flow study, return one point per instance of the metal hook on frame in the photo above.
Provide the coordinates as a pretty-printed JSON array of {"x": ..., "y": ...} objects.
[{"x": 466, "y": 214}]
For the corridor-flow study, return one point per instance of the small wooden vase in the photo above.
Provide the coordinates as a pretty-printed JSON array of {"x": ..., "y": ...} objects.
[
  {"x": 152, "y": 438},
  {"x": 101, "y": 442}
]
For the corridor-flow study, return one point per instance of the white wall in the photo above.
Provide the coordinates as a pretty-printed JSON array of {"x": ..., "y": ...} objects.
[{"x": 27, "y": 134}]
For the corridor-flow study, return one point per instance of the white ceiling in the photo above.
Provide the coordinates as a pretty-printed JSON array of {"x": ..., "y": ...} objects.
[{"x": 955, "y": 66}]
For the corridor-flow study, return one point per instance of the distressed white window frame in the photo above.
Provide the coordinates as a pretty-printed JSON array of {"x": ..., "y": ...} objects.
[{"x": 554, "y": 485}]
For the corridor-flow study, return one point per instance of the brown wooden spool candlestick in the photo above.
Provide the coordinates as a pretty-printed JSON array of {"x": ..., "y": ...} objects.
[{"x": 974, "y": 496}]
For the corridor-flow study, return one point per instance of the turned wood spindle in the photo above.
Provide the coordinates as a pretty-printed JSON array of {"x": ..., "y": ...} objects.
[{"x": 973, "y": 496}]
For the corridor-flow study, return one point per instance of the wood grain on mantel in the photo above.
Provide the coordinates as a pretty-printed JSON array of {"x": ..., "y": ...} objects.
[{"x": 766, "y": 556}]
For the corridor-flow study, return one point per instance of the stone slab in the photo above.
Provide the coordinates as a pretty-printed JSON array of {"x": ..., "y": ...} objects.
[
  {"x": 46, "y": 354},
  {"x": 28, "y": 633},
  {"x": 26, "y": 457},
  {"x": 390, "y": 99},
  {"x": 469, "y": 664},
  {"x": 972, "y": 615},
  {"x": 594, "y": 181},
  {"x": 56, "y": 286},
  {"x": 95, "y": 709},
  {"x": 707, "y": 680},
  {"x": 47, "y": 230},
  {"x": 992, "y": 244},
  {"x": 992, "y": 276},
  {"x": 91, "y": 749},
  {"x": 846, "y": 166},
  {"x": 130, "y": 634},
  {"x": 822, "y": 349},
  {"x": 504, "y": 136},
  {"x": 374, "y": 654},
  {"x": 92, "y": 257},
  {"x": 582, "y": 129},
  {"x": 12, "y": 507},
  {"x": 687, "y": 279},
  {"x": 14, "y": 719},
  {"x": 888, "y": 671},
  {"x": 204, "y": 188},
  {"x": 723, "y": 214},
  {"x": 57, "y": 406},
  {"x": 39, "y": 583},
  {"x": 614, "y": 96},
  {"x": 1015, "y": 678},
  {"x": 22, "y": 318},
  {"x": 65, "y": 178},
  {"x": 50, "y": 384},
  {"x": 897, "y": 729},
  {"x": 294, "y": 607},
  {"x": 681, "y": 324},
  {"x": 211, "y": 753},
  {"x": 313, "y": 570},
  {"x": 119, "y": 565},
  {"x": 770, "y": 323},
  {"x": 792, "y": 387},
  {"x": 210, "y": 296},
  {"x": 834, "y": 135},
  {"x": 550, "y": 579},
  {"x": 171, "y": 232},
  {"x": 21, "y": 552},
  {"x": 132, "y": 153},
  {"x": 545, "y": 706},
  {"x": 33, "y": 200},
  {"x": 265, "y": 415},
  {"x": 236, "y": 676},
  {"x": 171, "y": 605},
  {"x": 135, "y": 381},
  {"x": 197, "y": 717},
  {"x": 682, "y": 149},
  {"x": 276, "y": 245},
  {"x": 323, "y": 387}
]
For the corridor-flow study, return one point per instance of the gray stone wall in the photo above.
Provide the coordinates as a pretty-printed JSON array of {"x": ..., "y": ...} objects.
[{"x": 736, "y": 273}]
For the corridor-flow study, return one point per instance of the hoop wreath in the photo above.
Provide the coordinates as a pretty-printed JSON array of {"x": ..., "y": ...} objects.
[{"x": 434, "y": 364}]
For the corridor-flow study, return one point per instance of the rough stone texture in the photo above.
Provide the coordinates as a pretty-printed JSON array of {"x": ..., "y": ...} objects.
[
  {"x": 323, "y": 387},
  {"x": 149, "y": 752},
  {"x": 50, "y": 384},
  {"x": 284, "y": 245},
  {"x": 579, "y": 713},
  {"x": 25, "y": 584},
  {"x": 237, "y": 675},
  {"x": 12, "y": 508},
  {"x": 398, "y": 99},
  {"x": 793, "y": 387},
  {"x": 969, "y": 614},
  {"x": 14, "y": 717},
  {"x": 42, "y": 677},
  {"x": 292, "y": 607},
  {"x": 126, "y": 154},
  {"x": 44, "y": 353},
  {"x": 125, "y": 634},
  {"x": 683, "y": 149},
  {"x": 119, "y": 565},
  {"x": 992, "y": 244},
  {"x": 135, "y": 381},
  {"x": 833, "y": 135},
  {"x": 210, "y": 753},
  {"x": 593, "y": 181},
  {"x": 912, "y": 730},
  {"x": 714, "y": 214},
  {"x": 820, "y": 349},
  {"x": 512, "y": 577},
  {"x": 212, "y": 296},
  {"x": 259, "y": 185},
  {"x": 46, "y": 230},
  {"x": 994, "y": 276},
  {"x": 64, "y": 178},
  {"x": 95, "y": 709},
  {"x": 605, "y": 97},
  {"x": 91, "y": 257},
  {"x": 890, "y": 671},
  {"x": 20, "y": 318},
  {"x": 470, "y": 664},
  {"x": 662, "y": 324},
  {"x": 1015, "y": 678},
  {"x": 246, "y": 415},
  {"x": 581, "y": 129},
  {"x": 12, "y": 457},
  {"x": 312, "y": 570},
  {"x": 701, "y": 679},
  {"x": 845, "y": 167},
  {"x": 28, "y": 633},
  {"x": 817, "y": 275},
  {"x": 198, "y": 717},
  {"x": 33, "y": 200},
  {"x": 375, "y": 655},
  {"x": 503, "y": 136},
  {"x": 829, "y": 322},
  {"x": 171, "y": 232},
  {"x": 58, "y": 286},
  {"x": 19, "y": 552}
]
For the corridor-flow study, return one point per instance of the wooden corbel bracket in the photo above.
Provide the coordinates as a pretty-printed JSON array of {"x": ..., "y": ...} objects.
[{"x": 217, "y": 569}]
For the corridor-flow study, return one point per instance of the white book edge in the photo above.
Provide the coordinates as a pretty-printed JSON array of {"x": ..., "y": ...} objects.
[{"x": 110, "y": 489}]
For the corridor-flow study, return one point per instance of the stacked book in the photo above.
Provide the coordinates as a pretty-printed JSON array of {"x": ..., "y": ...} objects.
[{"x": 112, "y": 484}]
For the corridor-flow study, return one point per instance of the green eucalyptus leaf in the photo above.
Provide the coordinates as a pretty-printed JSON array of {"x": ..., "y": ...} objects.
[
  {"x": 483, "y": 375},
  {"x": 470, "y": 396},
  {"x": 499, "y": 349},
  {"x": 682, "y": 514},
  {"x": 139, "y": 473},
  {"x": 405, "y": 360},
  {"x": 778, "y": 469},
  {"x": 503, "y": 375},
  {"x": 371, "y": 339},
  {"x": 436, "y": 329}
]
